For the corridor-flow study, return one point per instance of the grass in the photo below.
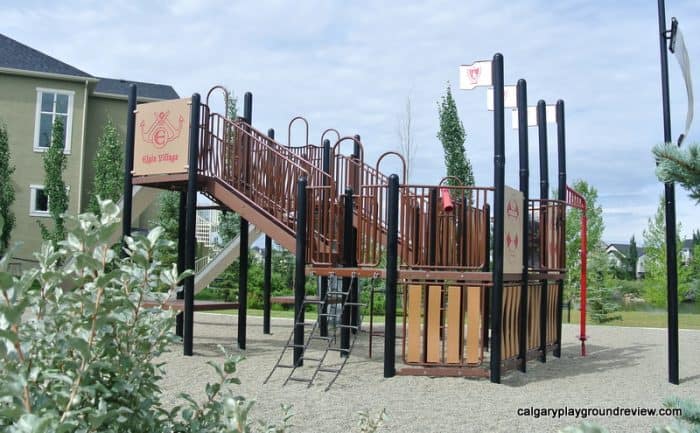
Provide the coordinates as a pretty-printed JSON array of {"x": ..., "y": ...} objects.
[{"x": 643, "y": 319}]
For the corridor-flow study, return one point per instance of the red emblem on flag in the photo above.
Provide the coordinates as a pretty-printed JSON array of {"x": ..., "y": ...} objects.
[
  {"x": 161, "y": 131},
  {"x": 474, "y": 73}
]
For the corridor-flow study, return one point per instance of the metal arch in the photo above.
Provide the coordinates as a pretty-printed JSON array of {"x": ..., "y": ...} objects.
[
  {"x": 459, "y": 181},
  {"x": 354, "y": 140},
  {"x": 323, "y": 134},
  {"x": 227, "y": 97},
  {"x": 403, "y": 163},
  {"x": 289, "y": 130}
]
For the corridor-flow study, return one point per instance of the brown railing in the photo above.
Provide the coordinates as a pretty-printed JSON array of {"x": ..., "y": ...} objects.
[
  {"x": 547, "y": 235},
  {"x": 435, "y": 236},
  {"x": 256, "y": 166}
]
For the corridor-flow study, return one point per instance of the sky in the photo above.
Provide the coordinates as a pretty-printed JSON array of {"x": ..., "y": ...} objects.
[{"x": 351, "y": 65}]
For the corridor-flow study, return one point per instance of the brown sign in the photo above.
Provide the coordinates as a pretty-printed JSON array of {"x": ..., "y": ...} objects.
[
  {"x": 162, "y": 133},
  {"x": 513, "y": 214}
]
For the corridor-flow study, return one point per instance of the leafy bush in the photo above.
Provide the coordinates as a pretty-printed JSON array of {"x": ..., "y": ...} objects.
[{"x": 78, "y": 347}]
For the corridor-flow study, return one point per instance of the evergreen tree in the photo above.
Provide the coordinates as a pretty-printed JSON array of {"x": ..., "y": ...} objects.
[
  {"x": 452, "y": 136},
  {"x": 54, "y": 185},
  {"x": 680, "y": 165},
  {"x": 631, "y": 259},
  {"x": 109, "y": 168},
  {"x": 168, "y": 217},
  {"x": 7, "y": 190},
  {"x": 595, "y": 228}
]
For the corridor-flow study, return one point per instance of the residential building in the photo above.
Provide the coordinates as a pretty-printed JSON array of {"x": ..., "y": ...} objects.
[
  {"x": 618, "y": 252},
  {"x": 37, "y": 89}
]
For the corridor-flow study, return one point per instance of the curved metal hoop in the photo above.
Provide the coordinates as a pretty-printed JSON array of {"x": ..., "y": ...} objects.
[
  {"x": 459, "y": 182},
  {"x": 403, "y": 163},
  {"x": 354, "y": 140},
  {"x": 289, "y": 130},
  {"x": 227, "y": 97},
  {"x": 323, "y": 134}
]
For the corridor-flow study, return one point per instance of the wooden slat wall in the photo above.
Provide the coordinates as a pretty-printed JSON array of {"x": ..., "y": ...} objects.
[
  {"x": 510, "y": 325},
  {"x": 454, "y": 324},
  {"x": 552, "y": 304},
  {"x": 413, "y": 323},
  {"x": 474, "y": 302},
  {"x": 533, "y": 318},
  {"x": 433, "y": 345}
]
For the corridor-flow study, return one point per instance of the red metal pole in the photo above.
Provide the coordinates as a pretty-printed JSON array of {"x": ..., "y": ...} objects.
[{"x": 584, "y": 254}]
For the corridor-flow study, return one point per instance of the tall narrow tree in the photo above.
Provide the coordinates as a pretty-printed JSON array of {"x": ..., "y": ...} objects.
[
  {"x": 631, "y": 259},
  {"x": 109, "y": 168},
  {"x": 452, "y": 136},
  {"x": 407, "y": 145},
  {"x": 54, "y": 185},
  {"x": 7, "y": 190}
]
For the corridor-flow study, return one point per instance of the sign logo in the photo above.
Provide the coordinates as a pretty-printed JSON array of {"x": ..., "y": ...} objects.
[
  {"x": 512, "y": 209},
  {"x": 161, "y": 131},
  {"x": 474, "y": 73}
]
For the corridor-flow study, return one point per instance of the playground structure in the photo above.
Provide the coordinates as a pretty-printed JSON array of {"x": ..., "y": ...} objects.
[{"x": 469, "y": 309}]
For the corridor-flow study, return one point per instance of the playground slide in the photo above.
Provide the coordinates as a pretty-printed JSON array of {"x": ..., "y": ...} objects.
[
  {"x": 222, "y": 260},
  {"x": 142, "y": 197}
]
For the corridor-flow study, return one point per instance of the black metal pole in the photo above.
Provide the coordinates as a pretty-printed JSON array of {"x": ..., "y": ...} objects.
[
  {"x": 391, "y": 276},
  {"x": 670, "y": 199},
  {"x": 181, "y": 240},
  {"x": 190, "y": 229},
  {"x": 355, "y": 286},
  {"x": 300, "y": 272},
  {"x": 561, "y": 155},
  {"x": 243, "y": 236},
  {"x": 544, "y": 195},
  {"x": 323, "y": 292},
  {"x": 523, "y": 153},
  {"x": 348, "y": 257},
  {"x": 267, "y": 271},
  {"x": 499, "y": 162},
  {"x": 128, "y": 165}
]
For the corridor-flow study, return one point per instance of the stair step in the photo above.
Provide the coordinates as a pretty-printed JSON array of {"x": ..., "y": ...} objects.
[
  {"x": 299, "y": 379},
  {"x": 318, "y": 337},
  {"x": 311, "y": 359},
  {"x": 314, "y": 302},
  {"x": 329, "y": 370},
  {"x": 333, "y": 349},
  {"x": 347, "y": 326},
  {"x": 354, "y": 304},
  {"x": 307, "y": 324},
  {"x": 297, "y": 346},
  {"x": 284, "y": 366}
]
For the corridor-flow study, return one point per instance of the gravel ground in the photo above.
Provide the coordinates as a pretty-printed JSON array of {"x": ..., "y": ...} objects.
[{"x": 625, "y": 367}]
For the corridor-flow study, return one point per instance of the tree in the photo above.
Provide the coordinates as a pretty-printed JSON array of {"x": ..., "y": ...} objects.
[
  {"x": 168, "y": 218},
  {"x": 54, "y": 185},
  {"x": 451, "y": 136},
  {"x": 405, "y": 133},
  {"x": 7, "y": 191},
  {"x": 655, "y": 259},
  {"x": 680, "y": 165},
  {"x": 595, "y": 224},
  {"x": 631, "y": 259},
  {"x": 109, "y": 168},
  {"x": 229, "y": 226}
]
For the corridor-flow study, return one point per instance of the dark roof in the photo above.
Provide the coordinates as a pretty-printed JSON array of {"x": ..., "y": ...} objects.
[
  {"x": 15, "y": 55},
  {"x": 687, "y": 244},
  {"x": 624, "y": 249},
  {"x": 144, "y": 90}
]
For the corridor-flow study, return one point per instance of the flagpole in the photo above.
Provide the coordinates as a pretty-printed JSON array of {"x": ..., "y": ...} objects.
[{"x": 670, "y": 201}]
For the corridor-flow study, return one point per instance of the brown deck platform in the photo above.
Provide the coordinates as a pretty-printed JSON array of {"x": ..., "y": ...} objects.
[{"x": 179, "y": 305}]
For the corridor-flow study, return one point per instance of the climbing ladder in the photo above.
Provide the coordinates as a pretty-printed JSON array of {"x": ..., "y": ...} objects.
[{"x": 332, "y": 297}]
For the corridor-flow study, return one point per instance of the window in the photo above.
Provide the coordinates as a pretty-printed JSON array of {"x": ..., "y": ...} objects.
[
  {"x": 38, "y": 201},
  {"x": 52, "y": 105}
]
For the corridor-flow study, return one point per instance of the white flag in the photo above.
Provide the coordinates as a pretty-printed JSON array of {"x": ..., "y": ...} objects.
[
  {"x": 681, "y": 53},
  {"x": 550, "y": 112},
  {"x": 477, "y": 74},
  {"x": 510, "y": 97}
]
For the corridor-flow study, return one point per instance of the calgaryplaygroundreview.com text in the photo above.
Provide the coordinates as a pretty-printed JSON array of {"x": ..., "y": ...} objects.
[{"x": 585, "y": 412}]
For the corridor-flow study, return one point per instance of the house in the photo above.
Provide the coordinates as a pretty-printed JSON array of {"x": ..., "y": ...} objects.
[
  {"x": 618, "y": 252},
  {"x": 35, "y": 90}
]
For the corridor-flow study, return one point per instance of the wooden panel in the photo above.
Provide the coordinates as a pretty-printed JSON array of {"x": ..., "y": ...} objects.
[
  {"x": 413, "y": 323},
  {"x": 534, "y": 298},
  {"x": 473, "y": 324},
  {"x": 432, "y": 325},
  {"x": 453, "y": 323}
]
